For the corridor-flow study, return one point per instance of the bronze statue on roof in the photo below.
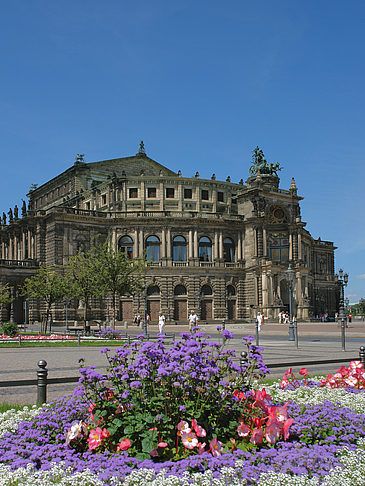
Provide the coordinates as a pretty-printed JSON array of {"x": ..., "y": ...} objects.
[{"x": 259, "y": 164}]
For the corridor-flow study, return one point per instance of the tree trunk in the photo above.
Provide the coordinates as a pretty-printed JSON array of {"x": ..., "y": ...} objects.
[{"x": 114, "y": 310}]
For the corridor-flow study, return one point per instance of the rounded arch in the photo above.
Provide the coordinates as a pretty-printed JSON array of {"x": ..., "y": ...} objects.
[
  {"x": 228, "y": 250},
  {"x": 153, "y": 248},
  {"x": 205, "y": 249},
  {"x": 153, "y": 290},
  {"x": 180, "y": 290},
  {"x": 125, "y": 245},
  {"x": 179, "y": 248},
  {"x": 231, "y": 291},
  {"x": 206, "y": 290}
]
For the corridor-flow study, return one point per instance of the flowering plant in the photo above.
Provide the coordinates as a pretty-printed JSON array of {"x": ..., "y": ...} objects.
[
  {"x": 352, "y": 377},
  {"x": 171, "y": 401},
  {"x": 110, "y": 333},
  {"x": 290, "y": 380}
]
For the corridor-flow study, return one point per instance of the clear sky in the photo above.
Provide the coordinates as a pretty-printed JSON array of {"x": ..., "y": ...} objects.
[{"x": 202, "y": 83}]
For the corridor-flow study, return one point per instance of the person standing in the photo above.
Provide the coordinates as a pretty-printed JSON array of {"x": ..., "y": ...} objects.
[
  {"x": 148, "y": 319},
  {"x": 259, "y": 321},
  {"x": 161, "y": 322},
  {"x": 193, "y": 320}
]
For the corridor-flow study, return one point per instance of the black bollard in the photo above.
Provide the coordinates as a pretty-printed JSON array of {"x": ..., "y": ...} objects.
[
  {"x": 20, "y": 340},
  {"x": 42, "y": 382},
  {"x": 362, "y": 355}
]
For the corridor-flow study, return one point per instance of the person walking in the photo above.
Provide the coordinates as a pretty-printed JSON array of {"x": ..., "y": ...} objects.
[
  {"x": 161, "y": 322},
  {"x": 259, "y": 321},
  {"x": 193, "y": 320}
]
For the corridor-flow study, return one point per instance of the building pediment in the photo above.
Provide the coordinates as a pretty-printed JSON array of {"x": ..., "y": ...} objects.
[{"x": 131, "y": 166}]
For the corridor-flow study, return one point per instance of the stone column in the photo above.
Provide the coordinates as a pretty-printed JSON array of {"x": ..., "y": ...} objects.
[
  {"x": 265, "y": 300},
  {"x": 215, "y": 245},
  {"x": 141, "y": 242},
  {"x": 168, "y": 243},
  {"x": 23, "y": 245},
  {"x": 290, "y": 246},
  {"x": 163, "y": 243},
  {"x": 135, "y": 246},
  {"x": 220, "y": 245},
  {"x": 264, "y": 242},
  {"x": 190, "y": 245},
  {"x": 300, "y": 256},
  {"x": 196, "y": 251},
  {"x": 238, "y": 253}
]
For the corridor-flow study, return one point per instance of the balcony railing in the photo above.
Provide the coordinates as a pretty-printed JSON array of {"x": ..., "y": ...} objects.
[{"x": 19, "y": 263}]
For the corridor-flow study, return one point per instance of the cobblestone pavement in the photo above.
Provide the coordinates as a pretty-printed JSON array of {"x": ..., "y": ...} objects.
[{"x": 317, "y": 341}]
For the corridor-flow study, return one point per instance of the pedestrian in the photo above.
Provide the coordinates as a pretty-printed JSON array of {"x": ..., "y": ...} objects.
[
  {"x": 148, "y": 319},
  {"x": 193, "y": 320},
  {"x": 138, "y": 319},
  {"x": 259, "y": 321},
  {"x": 286, "y": 318},
  {"x": 350, "y": 317},
  {"x": 161, "y": 322},
  {"x": 280, "y": 316}
]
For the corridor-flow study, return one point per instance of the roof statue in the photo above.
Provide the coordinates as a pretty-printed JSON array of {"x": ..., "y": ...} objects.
[
  {"x": 141, "y": 149},
  {"x": 259, "y": 164},
  {"x": 79, "y": 159}
]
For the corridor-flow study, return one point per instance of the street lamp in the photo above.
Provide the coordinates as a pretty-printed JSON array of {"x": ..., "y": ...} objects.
[
  {"x": 145, "y": 310},
  {"x": 342, "y": 280},
  {"x": 290, "y": 278},
  {"x": 66, "y": 302}
]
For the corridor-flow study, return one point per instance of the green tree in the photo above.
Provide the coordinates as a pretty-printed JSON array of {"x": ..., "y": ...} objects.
[
  {"x": 82, "y": 273},
  {"x": 5, "y": 296},
  {"x": 117, "y": 273},
  {"x": 48, "y": 285}
]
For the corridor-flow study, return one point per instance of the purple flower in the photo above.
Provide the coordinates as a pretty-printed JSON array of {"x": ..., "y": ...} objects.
[{"x": 227, "y": 334}]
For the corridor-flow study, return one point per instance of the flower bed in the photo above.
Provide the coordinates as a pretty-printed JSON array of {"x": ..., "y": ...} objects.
[
  {"x": 187, "y": 414},
  {"x": 38, "y": 337}
]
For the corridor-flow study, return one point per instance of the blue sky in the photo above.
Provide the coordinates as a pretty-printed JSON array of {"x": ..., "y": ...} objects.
[{"x": 202, "y": 83}]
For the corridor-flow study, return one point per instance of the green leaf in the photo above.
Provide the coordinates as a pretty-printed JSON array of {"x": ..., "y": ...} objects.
[{"x": 148, "y": 444}]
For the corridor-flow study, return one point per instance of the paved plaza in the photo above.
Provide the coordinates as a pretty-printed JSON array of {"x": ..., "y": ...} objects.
[{"x": 317, "y": 341}]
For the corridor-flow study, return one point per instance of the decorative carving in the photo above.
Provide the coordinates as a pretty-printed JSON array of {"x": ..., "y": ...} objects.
[
  {"x": 4, "y": 218},
  {"x": 259, "y": 163},
  {"x": 259, "y": 205},
  {"x": 79, "y": 159},
  {"x": 10, "y": 214}
]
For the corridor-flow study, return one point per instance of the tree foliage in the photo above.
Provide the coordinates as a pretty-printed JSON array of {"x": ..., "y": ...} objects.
[
  {"x": 117, "y": 273},
  {"x": 5, "y": 296},
  {"x": 48, "y": 285}
]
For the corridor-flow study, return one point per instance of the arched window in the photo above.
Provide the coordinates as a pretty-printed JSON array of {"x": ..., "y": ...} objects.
[
  {"x": 228, "y": 250},
  {"x": 206, "y": 290},
  {"x": 179, "y": 249},
  {"x": 231, "y": 291},
  {"x": 180, "y": 290},
  {"x": 205, "y": 249},
  {"x": 125, "y": 245},
  {"x": 153, "y": 248},
  {"x": 153, "y": 290}
]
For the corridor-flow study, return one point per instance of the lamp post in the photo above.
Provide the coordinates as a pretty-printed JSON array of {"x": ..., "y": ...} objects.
[
  {"x": 66, "y": 302},
  {"x": 290, "y": 278},
  {"x": 145, "y": 310},
  {"x": 342, "y": 280}
]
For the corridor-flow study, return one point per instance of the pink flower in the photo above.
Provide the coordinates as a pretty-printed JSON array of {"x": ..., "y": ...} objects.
[
  {"x": 351, "y": 381},
  {"x": 189, "y": 440},
  {"x": 355, "y": 365},
  {"x": 183, "y": 426},
  {"x": 201, "y": 448},
  {"x": 286, "y": 426},
  {"x": 278, "y": 413},
  {"x": 77, "y": 431},
  {"x": 303, "y": 371},
  {"x": 257, "y": 436},
  {"x": 200, "y": 432},
  {"x": 243, "y": 430},
  {"x": 215, "y": 447},
  {"x": 124, "y": 445},
  {"x": 162, "y": 444},
  {"x": 97, "y": 437},
  {"x": 154, "y": 453},
  {"x": 272, "y": 432}
]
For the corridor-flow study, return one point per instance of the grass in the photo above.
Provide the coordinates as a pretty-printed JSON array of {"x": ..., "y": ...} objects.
[{"x": 4, "y": 407}]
